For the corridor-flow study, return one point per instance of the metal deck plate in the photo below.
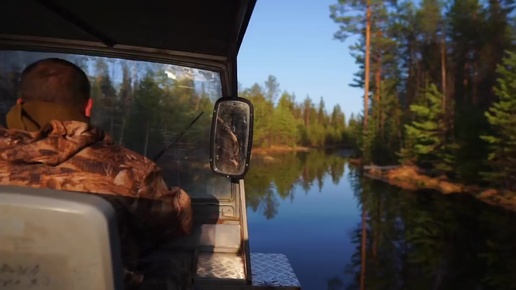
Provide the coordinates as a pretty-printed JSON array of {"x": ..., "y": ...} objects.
[
  {"x": 272, "y": 270},
  {"x": 220, "y": 266}
]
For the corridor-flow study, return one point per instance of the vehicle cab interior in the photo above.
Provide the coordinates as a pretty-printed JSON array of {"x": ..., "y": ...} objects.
[{"x": 163, "y": 84}]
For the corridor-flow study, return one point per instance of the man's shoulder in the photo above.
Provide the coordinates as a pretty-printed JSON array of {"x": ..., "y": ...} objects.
[
  {"x": 113, "y": 168},
  {"x": 112, "y": 153}
]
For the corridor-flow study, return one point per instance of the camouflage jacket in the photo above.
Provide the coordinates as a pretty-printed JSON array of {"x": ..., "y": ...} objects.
[{"x": 75, "y": 156}]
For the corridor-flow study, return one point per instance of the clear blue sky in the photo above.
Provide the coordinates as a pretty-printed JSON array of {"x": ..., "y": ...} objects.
[{"x": 293, "y": 40}]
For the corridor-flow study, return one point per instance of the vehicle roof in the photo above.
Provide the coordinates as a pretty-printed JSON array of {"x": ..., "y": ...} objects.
[{"x": 204, "y": 29}]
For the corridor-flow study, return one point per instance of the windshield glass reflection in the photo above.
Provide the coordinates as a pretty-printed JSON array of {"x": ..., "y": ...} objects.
[{"x": 144, "y": 106}]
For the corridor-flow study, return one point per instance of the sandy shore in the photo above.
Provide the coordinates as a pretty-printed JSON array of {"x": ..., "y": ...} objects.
[{"x": 412, "y": 178}]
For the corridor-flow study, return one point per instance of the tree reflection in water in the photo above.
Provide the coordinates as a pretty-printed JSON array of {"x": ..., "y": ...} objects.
[
  {"x": 281, "y": 173},
  {"x": 413, "y": 240},
  {"x": 426, "y": 240}
]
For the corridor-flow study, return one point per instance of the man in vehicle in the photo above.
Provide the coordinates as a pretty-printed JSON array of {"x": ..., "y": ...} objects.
[{"x": 50, "y": 143}]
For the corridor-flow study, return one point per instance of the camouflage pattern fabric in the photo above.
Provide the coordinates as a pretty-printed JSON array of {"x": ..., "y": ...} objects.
[{"x": 75, "y": 156}]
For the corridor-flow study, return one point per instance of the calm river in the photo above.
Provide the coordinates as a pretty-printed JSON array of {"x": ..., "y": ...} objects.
[{"x": 309, "y": 207}]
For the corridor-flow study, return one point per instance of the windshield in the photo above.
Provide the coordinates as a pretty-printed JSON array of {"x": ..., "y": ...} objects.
[{"x": 144, "y": 106}]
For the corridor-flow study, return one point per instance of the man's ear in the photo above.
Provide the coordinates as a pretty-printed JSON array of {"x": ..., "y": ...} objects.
[
  {"x": 19, "y": 101},
  {"x": 89, "y": 106}
]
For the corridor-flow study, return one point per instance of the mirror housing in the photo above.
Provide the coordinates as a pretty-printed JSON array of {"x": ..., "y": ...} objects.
[{"x": 231, "y": 137}]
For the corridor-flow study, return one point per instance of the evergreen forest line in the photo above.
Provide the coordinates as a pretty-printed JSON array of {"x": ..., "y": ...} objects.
[
  {"x": 280, "y": 120},
  {"x": 142, "y": 107},
  {"x": 438, "y": 77},
  {"x": 439, "y": 82}
]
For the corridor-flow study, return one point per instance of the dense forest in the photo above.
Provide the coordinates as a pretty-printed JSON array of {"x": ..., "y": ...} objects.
[
  {"x": 438, "y": 80},
  {"x": 281, "y": 120},
  {"x": 439, "y": 84},
  {"x": 144, "y": 106},
  {"x": 138, "y": 101}
]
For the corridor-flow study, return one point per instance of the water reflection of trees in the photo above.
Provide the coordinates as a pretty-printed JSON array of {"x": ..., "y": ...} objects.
[
  {"x": 274, "y": 177},
  {"x": 426, "y": 240}
]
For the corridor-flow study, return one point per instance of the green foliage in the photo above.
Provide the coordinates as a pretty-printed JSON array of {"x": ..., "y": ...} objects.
[
  {"x": 390, "y": 130},
  {"x": 263, "y": 110},
  {"x": 427, "y": 133},
  {"x": 285, "y": 125},
  {"x": 453, "y": 45},
  {"x": 289, "y": 123},
  {"x": 425, "y": 129},
  {"x": 501, "y": 116}
]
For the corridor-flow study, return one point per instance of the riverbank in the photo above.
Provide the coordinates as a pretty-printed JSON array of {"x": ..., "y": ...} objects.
[
  {"x": 413, "y": 178},
  {"x": 278, "y": 149}
]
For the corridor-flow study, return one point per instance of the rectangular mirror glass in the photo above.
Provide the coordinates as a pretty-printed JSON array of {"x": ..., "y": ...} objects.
[{"x": 231, "y": 137}]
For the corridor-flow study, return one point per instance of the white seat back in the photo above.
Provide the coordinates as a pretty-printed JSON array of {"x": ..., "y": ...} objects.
[{"x": 57, "y": 240}]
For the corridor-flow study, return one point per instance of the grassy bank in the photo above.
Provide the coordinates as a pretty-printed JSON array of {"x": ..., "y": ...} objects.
[{"x": 412, "y": 178}]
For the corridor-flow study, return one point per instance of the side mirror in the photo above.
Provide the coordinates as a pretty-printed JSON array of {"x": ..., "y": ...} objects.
[{"x": 231, "y": 137}]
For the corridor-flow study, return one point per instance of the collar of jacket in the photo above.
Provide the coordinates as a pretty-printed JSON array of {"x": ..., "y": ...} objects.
[{"x": 32, "y": 116}]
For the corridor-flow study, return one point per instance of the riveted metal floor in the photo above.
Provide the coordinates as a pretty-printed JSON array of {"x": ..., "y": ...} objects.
[
  {"x": 269, "y": 271},
  {"x": 272, "y": 270},
  {"x": 220, "y": 266}
]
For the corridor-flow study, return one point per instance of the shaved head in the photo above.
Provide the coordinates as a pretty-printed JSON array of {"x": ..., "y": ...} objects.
[{"x": 55, "y": 80}]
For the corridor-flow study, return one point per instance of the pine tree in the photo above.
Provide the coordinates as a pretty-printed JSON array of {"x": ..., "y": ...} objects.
[
  {"x": 284, "y": 124},
  {"x": 502, "y": 118},
  {"x": 431, "y": 149}
]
